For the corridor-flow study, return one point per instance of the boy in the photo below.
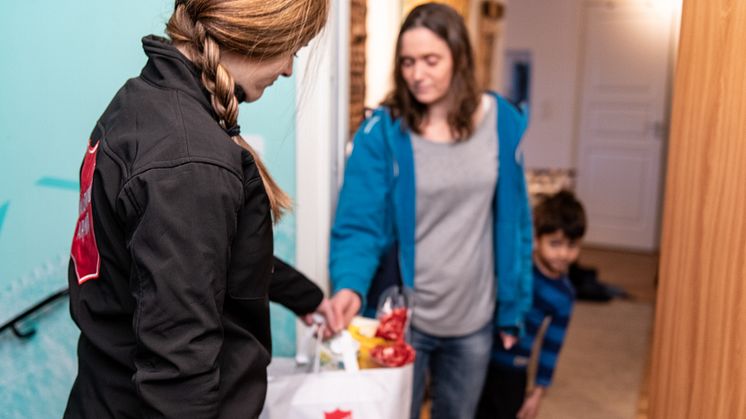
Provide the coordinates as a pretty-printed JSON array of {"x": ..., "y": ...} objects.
[{"x": 559, "y": 225}]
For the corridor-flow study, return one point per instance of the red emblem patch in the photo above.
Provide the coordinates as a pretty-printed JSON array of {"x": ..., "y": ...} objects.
[
  {"x": 338, "y": 414},
  {"x": 84, "y": 250}
]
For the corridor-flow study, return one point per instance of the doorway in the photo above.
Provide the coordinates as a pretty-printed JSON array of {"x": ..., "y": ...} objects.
[{"x": 622, "y": 121}]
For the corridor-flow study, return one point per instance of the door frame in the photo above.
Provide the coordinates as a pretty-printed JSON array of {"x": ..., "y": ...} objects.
[{"x": 322, "y": 90}]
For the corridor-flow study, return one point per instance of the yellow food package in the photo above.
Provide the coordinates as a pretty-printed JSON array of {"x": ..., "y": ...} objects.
[{"x": 363, "y": 330}]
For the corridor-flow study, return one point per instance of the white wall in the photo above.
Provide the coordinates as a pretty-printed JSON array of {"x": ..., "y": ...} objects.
[
  {"x": 550, "y": 30},
  {"x": 323, "y": 77},
  {"x": 383, "y": 20}
]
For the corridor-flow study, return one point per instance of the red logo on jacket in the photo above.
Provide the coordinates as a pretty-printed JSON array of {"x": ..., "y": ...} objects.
[
  {"x": 84, "y": 251},
  {"x": 338, "y": 414}
]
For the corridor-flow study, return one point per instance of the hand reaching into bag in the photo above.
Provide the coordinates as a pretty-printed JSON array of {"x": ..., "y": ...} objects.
[
  {"x": 345, "y": 304},
  {"x": 332, "y": 323}
]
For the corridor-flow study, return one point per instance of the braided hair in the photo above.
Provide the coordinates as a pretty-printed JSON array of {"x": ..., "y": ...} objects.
[{"x": 253, "y": 28}]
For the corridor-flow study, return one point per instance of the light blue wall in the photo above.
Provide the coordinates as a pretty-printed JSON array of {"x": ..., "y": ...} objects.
[{"x": 62, "y": 63}]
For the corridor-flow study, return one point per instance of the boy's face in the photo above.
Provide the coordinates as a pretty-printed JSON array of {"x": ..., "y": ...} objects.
[{"x": 554, "y": 253}]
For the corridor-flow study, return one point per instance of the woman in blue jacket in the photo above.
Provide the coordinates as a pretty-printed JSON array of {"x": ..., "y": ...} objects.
[{"x": 436, "y": 170}]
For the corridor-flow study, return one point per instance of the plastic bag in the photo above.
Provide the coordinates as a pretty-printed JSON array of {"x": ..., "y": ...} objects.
[{"x": 394, "y": 314}]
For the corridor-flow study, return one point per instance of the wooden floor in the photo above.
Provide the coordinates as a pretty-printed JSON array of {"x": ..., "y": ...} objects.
[
  {"x": 638, "y": 274},
  {"x": 604, "y": 367},
  {"x": 635, "y": 272}
]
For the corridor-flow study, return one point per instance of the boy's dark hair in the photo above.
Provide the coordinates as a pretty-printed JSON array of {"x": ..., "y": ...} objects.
[{"x": 561, "y": 211}]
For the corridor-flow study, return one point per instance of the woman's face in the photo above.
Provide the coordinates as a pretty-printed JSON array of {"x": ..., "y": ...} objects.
[
  {"x": 255, "y": 75},
  {"x": 426, "y": 64}
]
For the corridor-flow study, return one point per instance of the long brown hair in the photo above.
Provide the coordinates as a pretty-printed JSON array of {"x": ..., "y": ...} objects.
[
  {"x": 449, "y": 26},
  {"x": 254, "y": 28}
]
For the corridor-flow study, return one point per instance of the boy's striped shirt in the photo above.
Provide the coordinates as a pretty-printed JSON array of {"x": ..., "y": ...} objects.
[{"x": 553, "y": 298}]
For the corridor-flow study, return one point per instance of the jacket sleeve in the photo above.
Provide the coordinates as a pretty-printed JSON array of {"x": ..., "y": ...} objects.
[
  {"x": 290, "y": 288},
  {"x": 359, "y": 233},
  {"x": 551, "y": 345},
  {"x": 516, "y": 283},
  {"x": 180, "y": 250},
  {"x": 515, "y": 278},
  {"x": 524, "y": 295},
  {"x": 526, "y": 238}
]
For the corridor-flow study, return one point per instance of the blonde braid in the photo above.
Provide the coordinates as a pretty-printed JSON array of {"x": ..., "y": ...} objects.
[{"x": 221, "y": 86}]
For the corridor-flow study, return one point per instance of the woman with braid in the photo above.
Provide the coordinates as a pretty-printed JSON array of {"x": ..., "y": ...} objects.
[{"x": 172, "y": 258}]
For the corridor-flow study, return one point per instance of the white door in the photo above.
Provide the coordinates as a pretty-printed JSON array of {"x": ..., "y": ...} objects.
[{"x": 626, "y": 49}]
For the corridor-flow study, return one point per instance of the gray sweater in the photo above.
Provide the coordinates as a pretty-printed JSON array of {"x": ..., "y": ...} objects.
[{"x": 454, "y": 263}]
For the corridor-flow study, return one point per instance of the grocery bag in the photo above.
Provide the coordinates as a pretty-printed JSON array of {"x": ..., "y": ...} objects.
[{"x": 378, "y": 393}]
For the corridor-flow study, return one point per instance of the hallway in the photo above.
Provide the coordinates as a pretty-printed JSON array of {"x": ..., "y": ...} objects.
[{"x": 601, "y": 368}]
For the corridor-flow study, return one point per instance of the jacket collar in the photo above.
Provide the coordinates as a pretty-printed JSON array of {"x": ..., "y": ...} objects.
[{"x": 168, "y": 68}]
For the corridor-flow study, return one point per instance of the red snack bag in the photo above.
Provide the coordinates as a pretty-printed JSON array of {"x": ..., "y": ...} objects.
[
  {"x": 394, "y": 309},
  {"x": 391, "y": 326},
  {"x": 394, "y": 355}
]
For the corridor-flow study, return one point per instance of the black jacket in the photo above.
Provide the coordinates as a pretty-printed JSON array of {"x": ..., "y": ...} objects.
[{"x": 172, "y": 258}]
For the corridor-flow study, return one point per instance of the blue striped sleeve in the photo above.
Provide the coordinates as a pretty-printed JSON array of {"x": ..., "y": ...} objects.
[{"x": 550, "y": 349}]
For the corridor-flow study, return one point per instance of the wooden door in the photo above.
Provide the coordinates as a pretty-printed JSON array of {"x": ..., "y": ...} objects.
[{"x": 699, "y": 353}]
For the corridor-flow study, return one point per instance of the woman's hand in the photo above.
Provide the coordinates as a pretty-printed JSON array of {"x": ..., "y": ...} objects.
[
  {"x": 530, "y": 407},
  {"x": 508, "y": 340},
  {"x": 345, "y": 304},
  {"x": 332, "y": 324}
]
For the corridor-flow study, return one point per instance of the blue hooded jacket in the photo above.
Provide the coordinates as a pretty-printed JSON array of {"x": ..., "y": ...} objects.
[{"x": 377, "y": 207}]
